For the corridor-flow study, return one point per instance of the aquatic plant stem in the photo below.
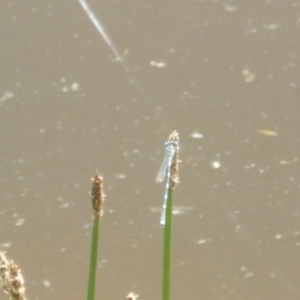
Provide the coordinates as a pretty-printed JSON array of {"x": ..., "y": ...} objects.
[
  {"x": 167, "y": 254},
  {"x": 97, "y": 205},
  {"x": 172, "y": 181},
  {"x": 93, "y": 260}
]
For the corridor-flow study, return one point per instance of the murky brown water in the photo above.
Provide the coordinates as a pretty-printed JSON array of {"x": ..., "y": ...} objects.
[{"x": 224, "y": 74}]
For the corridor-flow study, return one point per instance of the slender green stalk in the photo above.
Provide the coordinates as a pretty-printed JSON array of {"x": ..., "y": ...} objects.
[
  {"x": 173, "y": 180},
  {"x": 93, "y": 260},
  {"x": 167, "y": 248},
  {"x": 97, "y": 204}
]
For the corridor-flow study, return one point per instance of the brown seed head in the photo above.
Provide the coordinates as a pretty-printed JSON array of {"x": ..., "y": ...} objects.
[
  {"x": 11, "y": 279},
  {"x": 97, "y": 196}
]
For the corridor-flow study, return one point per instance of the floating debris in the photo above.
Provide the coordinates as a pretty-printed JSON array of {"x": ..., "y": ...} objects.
[
  {"x": 6, "y": 95},
  {"x": 120, "y": 176},
  {"x": 230, "y": 8},
  {"x": 177, "y": 210},
  {"x": 132, "y": 296},
  {"x": 272, "y": 26},
  {"x": 248, "y": 75},
  {"x": 288, "y": 162},
  {"x": 157, "y": 64},
  {"x": 202, "y": 241},
  {"x": 196, "y": 135},
  {"x": 215, "y": 164},
  {"x": 267, "y": 132}
]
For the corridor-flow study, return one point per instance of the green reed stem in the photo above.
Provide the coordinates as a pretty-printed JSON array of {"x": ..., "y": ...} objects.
[
  {"x": 93, "y": 260},
  {"x": 166, "y": 293},
  {"x": 97, "y": 205},
  {"x": 172, "y": 177}
]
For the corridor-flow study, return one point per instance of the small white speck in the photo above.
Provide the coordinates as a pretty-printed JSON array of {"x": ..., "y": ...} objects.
[
  {"x": 215, "y": 164},
  {"x": 132, "y": 296},
  {"x": 272, "y": 26},
  {"x": 238, "y": 228},
  {"x": 273, "y": 274},
  {"x": 58, "y": 125},
  {"x": 267, "y": 132},
  {"x": 230, "y": 8},
  {"x": 278, "y": 236},
  {"x": 65, "y": 205},
  {"x": 250, "y": 166},
  {"x": 248, "y": 275},
  {"x": 251, "y": 31},
  {"x": 20, "y": 222},
  {"x": 157, "y": 64},
  {"x": 120, "y": 176},
  {"x": 87, "y": 226},
  {"x": 75, "y": 87},
  {"x": 201, "y": 242},
  {"x": 261, "y": 171},
  {"x": 7, "y": 95},
  {"x": 248, "y": 75},
  {"x": 196, "y": 135},
  {"x": 46, "y": 283},
  {"x": 6, "y": 245}
]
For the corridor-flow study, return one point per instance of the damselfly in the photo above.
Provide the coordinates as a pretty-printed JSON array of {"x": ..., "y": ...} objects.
[{"x": 165, "y": 172}]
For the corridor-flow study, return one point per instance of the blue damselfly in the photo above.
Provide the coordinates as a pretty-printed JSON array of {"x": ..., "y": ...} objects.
[{"x": 165, "y": 172}]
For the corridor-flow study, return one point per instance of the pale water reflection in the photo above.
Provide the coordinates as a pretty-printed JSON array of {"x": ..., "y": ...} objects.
[{"x": 225, "y": 75}]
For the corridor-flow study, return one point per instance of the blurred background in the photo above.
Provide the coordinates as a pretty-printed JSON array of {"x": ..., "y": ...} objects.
[{"x": 224, "y": 74}]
